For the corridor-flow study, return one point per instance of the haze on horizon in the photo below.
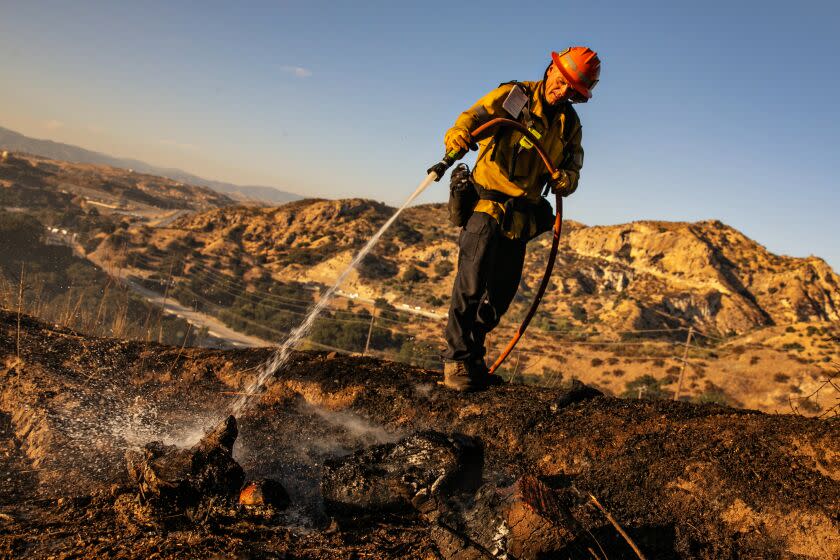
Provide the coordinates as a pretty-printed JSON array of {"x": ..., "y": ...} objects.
[{"x": 715, "y": 111}]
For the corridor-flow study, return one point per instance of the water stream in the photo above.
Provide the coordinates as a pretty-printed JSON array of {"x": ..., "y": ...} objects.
[{"x": 282, "y": 353}]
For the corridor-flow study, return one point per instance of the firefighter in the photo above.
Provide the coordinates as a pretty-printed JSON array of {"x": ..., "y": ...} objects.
[{"x": 510, "y": 181}]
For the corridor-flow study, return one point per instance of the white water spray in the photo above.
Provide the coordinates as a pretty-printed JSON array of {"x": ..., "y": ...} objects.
[{"x": 281, "y": 355}]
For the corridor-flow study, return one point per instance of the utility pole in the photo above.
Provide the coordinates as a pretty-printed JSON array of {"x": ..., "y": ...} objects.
[
  {"x": 20, "y": 309},
  {"x": 684, "y": 361},
  {"x": 641, "y": 392},
  {"x": 516, "y": 367},
  {"x": 370, "y": 332},
  {"x": 163, "y": 305}
]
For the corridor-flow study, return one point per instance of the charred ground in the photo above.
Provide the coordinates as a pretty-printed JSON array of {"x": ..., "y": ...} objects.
[{"x": 685, "y": 480}]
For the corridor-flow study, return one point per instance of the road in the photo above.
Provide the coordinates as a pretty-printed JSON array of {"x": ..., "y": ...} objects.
[
  {"x": 196, "y": 318},
  {"x": 400, "y": 306}
]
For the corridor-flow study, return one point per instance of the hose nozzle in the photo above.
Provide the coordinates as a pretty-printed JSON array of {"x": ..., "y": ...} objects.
[{"x": 439, "y": 169}]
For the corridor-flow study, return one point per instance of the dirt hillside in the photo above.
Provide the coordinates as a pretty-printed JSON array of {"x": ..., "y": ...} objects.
[{"x": 684, "y": 480}]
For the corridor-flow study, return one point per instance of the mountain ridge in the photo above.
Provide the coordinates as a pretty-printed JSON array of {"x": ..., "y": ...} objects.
[{"x": 15, "y": 141}]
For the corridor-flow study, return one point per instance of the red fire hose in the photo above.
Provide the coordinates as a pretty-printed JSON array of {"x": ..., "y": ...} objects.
[{"x": 449, "y": 159}]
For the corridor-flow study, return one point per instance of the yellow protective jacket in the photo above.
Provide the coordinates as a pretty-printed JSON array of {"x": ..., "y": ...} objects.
[{"x": 504, "y": 164}]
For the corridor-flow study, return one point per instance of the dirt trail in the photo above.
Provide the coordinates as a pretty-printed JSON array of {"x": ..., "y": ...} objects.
[{"x": 685, "y": 480}]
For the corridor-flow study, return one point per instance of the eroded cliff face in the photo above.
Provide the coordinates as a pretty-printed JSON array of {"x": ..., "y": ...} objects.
[
  {"x": 684, "y": 480},
  {"x": 713, "y": 274}
]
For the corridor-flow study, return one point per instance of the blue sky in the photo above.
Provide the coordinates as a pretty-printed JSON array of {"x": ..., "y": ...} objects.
[{"x": 722, "y": 110}]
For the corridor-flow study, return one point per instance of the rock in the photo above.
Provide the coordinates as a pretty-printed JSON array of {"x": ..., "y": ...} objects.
[
  {"x": 439, "y": 477},
  {"x": 264, "y": 493},
  {"x": 418, "y": 471},
  {"x": 537, "y": 522},
  {"x": 526, "y": 521},
  {"x": 178, "y": 479},
  {"x": 576, "y": 393}
]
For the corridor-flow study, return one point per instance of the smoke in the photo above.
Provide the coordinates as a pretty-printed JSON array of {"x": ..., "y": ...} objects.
[{"x": 358, "y": 431}]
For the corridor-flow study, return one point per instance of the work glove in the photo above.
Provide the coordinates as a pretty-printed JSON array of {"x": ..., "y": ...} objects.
[
  {"x": 561, "y": 184},
  {"x": 457, "y": 139}
]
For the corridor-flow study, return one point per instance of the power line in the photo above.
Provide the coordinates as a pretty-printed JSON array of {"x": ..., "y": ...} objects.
[
  {"x": 321, "y": 318},
  {"x": 220, "y": 277},
  {"x": 284, "y": 309},
  {"x": 254, "y": 294}
]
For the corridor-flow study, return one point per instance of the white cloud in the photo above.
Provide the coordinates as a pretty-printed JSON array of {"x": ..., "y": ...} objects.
[
  {"x": 53, "y": 124},
  {"x": 179, "y": 145},
  {"x": 298, "y": 71}
]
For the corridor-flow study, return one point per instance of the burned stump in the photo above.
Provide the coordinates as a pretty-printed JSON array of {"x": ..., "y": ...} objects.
[
  {"x": 526, "y": 520},
  {"x": 416, "y": 472},
  {"x": 172, "y": 481}
]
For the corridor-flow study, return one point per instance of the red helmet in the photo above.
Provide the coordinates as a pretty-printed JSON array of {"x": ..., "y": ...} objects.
[{"x": 581, "y": 68}]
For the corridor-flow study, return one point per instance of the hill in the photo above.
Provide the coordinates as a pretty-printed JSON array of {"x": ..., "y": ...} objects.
[
  {"x": 14, "y": 141},
  {"x": 27, "y": 181},
  {"x": 51, "y": 210},
  {"x": 641, "y": 275},
  {"x": 41, "y": 275}
]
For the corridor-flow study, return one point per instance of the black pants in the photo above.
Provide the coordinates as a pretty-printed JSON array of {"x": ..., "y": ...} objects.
[{"x": 489, "y": 270}]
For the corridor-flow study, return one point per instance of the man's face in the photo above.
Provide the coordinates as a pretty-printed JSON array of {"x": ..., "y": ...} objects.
[{"x": 557, "y": 90}]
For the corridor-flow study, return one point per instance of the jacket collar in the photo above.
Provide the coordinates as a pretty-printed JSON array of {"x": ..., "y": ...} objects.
[{"x": 538, "y": 103}]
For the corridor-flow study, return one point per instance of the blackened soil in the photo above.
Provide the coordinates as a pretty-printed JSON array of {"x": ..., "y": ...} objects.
[{"x": 684, "y": 480}]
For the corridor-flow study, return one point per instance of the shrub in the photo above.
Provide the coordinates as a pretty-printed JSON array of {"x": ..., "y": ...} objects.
[
  {"x": 712, "y": 394},
  {"x": 578, "y": 312},
  {"x": 413, "y": 274},
  {"x": 435, "y": 301},
  {"x": 781, "y": 377},
  {"x": 407, "y": 234},
  {"x": 648, "y": 386},
  {"x": 443, "y": 268},
  {"x": 374, "y": 267},
  {"x": 382, "y": 303},
  {"x": 596, "y": 362}
]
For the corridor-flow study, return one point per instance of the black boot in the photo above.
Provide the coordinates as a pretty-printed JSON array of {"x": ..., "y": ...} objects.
[{"x": 482, "y": 374}]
